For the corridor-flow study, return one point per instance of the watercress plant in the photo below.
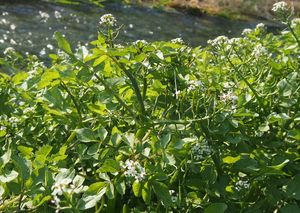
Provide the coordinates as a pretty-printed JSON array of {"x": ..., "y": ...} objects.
[{"x": 153, "y": 127}]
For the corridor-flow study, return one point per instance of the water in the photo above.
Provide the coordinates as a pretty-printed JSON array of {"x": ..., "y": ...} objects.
[{"x": 29, "y": 27}]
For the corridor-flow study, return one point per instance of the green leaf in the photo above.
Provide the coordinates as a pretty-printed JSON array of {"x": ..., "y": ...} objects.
[
  {"x": 85, "y": 135},
  {"x": 289, "y": 208},
  {"x": 8, "y": 176},
  {"x": 110, "y": 191},
  {"x": 231, "y": 160},
  {"x": 102, "y": 133},
  {"x": 120, "y": 186},
  {"x": 165, "y": 140},
  {"x": 41, "y": 156},
  {"x": 99, "y": 60},
  {"x": 146, "y": 193},
  {"x": 63, "y": 43},
  {"x": 48, "y": 78},
  {"x": 136, "y": 188},
  {"x": 216, "y": 208},
  {"x": 110, "y": 166},
  {"x": 87, "y": 202},
  {"x": 5, "y": 158},
  {"x": 293, "y": 188},
  {"x": 295, "y": 134},
  {"x": 23, "y": 166},
  {"x": 26, "y": 151},
  {"x": 2, "y": 190},
  {"x": 98, "y": 108},
  {"x": 162, "y": 192},
  {"x": 19, "y": 77}
]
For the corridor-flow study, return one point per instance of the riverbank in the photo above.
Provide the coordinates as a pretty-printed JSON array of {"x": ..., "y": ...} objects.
[{"x": 236, "y": 9}]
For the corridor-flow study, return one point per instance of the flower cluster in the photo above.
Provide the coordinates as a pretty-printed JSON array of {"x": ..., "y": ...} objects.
[
  {"x": 295, "y": 22},
  {"x": 9, "y": 50},
  {"x": 57, "y": 15},
  {"x": 229, "y": 96},
  {"x": 259, "y": 51},
  {"x": 260, "y": 26},
  {"x": 242, "y": 184},
  {"x": 200, "y": 151},
  {"x": 66, "y": 185},
  {"x": 177, "y": 41},
  {"x": 135, "y": 170},
  {"x": 193, "y": 84},
  {"x": 108, "y": 20},
  {"x": 14, "y": 121},
  {"x": 28, "y": 110},
  {"x": 44, "y": 16},
  {"x": 280, "y": 7},
  {"x": 246, "y": 32},
  {"x": 140, "y": 42},
  {"x": 220, "y": 40}
]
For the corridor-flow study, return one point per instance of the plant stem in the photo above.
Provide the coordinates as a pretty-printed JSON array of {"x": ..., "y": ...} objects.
[
  {"x": 63, "y": 85},
  {"x": 133, "y": 82}
]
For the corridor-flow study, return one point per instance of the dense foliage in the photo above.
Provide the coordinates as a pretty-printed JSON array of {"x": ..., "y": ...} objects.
[{"x": 153, "y": 127}]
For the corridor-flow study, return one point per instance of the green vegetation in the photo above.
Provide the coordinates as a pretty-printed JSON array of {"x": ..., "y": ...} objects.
[{"x": 154, "y": 127}]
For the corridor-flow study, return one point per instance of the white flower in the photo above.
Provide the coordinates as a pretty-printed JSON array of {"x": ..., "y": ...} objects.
[
  {"x": 119, "y": 46},
  {"x": 3, "y": 128},
  {"x": 57, "y": 14},
  {"x": 135, "y": 170},
  {"x": 12, "y": 26},
  {"x": 177, "y": 41},
  {"x": 234, "y": 41},
  {"x": 43, "y": 52},
  {"x": 259, "y": 51},
  {"x": 108, "y": 19},
  {"x": 14, "y": 121},
  {"x": 218, "y": 41},
  {"x": 295, "y": 22},
  {"x": 50, "y": 46},
  {"x": 242, "y": 184},
  {"x": 280, "y": 7},
  {"x": 260, "y": 26},
  {"x": 28, "y": 110},
  {"x": 44, "y": 16},
  {"x": 229, "y": 96},
  {"x": 201, "y": 150},
  {"x": 140, "y": 42},
  {"x": 12, "y": 41},
  {"x": 9, "y": 50},
  {"x": 193, "y": 84},
  {"x": 246, "y": 32}
]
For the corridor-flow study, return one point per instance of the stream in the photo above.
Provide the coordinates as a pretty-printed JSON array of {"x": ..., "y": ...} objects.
[{"x": 29, "y": 27}]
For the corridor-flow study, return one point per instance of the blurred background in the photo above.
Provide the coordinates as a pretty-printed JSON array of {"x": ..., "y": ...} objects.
[{"x": 28, "y": 25}]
